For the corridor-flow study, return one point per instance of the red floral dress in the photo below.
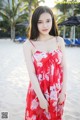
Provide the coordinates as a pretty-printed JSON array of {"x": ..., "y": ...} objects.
[{"x": 49, "y": 73}]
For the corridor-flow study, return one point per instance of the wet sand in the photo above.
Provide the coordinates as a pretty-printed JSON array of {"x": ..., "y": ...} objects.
[{"x": 14, "y": 81}]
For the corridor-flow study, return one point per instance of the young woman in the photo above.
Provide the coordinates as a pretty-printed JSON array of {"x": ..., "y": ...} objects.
[{"x": 45, "y": 59}]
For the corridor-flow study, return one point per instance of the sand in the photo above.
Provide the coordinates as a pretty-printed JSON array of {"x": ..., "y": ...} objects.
[{"x": 14, "y": 81}]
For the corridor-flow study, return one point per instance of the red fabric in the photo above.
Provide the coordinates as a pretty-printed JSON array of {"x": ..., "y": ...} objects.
[{"x": 49, "y": 73}]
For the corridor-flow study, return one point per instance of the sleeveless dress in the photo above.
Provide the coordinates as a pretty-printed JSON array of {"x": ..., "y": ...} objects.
[{"x": 49, "y": 73}]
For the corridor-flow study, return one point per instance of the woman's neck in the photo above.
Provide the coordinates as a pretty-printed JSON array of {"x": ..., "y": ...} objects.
[{"x": 44, "y": 37}]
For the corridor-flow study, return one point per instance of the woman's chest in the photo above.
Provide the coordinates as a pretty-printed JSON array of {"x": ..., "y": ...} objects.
[{"x": 45, "y": 47}]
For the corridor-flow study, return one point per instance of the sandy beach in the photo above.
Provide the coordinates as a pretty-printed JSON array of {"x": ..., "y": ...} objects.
[{"x": 14, "y": 81}]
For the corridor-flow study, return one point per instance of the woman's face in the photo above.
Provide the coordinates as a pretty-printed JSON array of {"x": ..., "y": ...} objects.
[{"x": 44, "y": 23}]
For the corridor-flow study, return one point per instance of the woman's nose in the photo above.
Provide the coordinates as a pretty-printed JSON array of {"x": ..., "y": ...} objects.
[{"x": 44, "y": 25}]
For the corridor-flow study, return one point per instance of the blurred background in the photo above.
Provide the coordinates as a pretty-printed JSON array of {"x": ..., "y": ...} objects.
[
  {"x": 14, "y": 24},
  {"x": 15, "y": 18}
]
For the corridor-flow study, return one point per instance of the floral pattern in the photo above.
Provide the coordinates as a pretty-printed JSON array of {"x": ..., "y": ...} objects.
[{"x": 49, "y": 72}]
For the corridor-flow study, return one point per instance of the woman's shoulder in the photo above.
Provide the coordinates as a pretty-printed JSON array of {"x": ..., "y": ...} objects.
[
  {"x": 60, "y": 40},
  {"x": 27, "y": 43}
]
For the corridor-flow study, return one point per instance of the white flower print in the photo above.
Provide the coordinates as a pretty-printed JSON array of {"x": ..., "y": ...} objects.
[
  {"x": 53, "y": 93},
  {"x": 52, "y": 87},
  {"x": 52, "y": 69},
  {"x": 59, "y": 57},
  {"x": 33, "y": 117},
  {"x": 53, "y": 52},
  {"x": 59, "y": 77},
  {"x": 39, "y": 57},
  {"x": 44, "y": 55},
  {"x": 60, "y": 108},
  {"x": 58, "y": 83},
  {"x": 58, "y": 86},
  {"x": 55, "y": 103},
  {"x": 47, "y": 115},
  {"x": 39, "y": 77},
  {"x": 47, "y": 76},
  {"x": 34, "y": 104},
  {"x": 39, "y": 64},
  {"x": 47, "y": 94},
  {"x": 56, "y": 60}
]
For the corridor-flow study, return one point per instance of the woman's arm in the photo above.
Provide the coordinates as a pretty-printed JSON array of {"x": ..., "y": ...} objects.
[
  {"x": 31, "y": 70},
  {"x": 64, "y": 65}
]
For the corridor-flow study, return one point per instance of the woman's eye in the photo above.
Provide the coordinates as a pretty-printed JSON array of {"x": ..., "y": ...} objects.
[
  {"x": 39, "y": 22},
  {"x": 42, "y": 22},
  {"x": 48, "y": 20}
]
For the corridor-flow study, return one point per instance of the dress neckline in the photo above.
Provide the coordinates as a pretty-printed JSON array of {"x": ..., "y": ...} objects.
[
  {"x": 51, "y": 51},
  {"x": 46, "y": 52}
]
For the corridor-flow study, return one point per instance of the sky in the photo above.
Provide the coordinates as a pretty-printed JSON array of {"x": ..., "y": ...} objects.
[{"x": 49, "y": 3}]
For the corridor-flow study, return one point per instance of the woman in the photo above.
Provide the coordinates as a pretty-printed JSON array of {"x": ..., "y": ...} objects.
[{"x": 45, "y": 60}]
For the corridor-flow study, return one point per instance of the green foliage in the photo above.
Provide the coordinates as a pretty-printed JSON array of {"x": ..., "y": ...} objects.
[
  {"x": 12, "y": 14},
  {"x": 16, "y": 12},
  {"x": 67, "y": 10}
]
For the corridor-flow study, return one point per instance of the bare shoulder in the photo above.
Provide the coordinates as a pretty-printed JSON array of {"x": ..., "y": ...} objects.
[
  {"x": 27, "y": 45},
  {"x": 61, "y": 41}
]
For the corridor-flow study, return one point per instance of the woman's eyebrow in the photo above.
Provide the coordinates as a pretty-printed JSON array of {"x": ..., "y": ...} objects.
[
  {"x": 46, "y": 19},
  {"x": 40, "y": 20}
]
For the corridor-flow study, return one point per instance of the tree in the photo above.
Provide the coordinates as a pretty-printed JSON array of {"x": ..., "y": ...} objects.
[
  {"x": 1, "y": 3},
  {"x": 12, "y": 13},
  {"x": 63, "y": 7},
  {"x": 15, "y": 12},
  {"x": 67, "y": 9},
  {"x": 31, "y": 5}
]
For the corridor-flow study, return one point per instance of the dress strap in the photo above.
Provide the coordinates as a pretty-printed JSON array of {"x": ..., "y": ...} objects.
[
  {"x": 32, "y": 43},
  {"x": 57, "y": 43}
]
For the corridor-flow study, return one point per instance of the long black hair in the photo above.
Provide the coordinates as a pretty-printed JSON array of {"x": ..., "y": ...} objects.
[{"x": 33, "y": 31}]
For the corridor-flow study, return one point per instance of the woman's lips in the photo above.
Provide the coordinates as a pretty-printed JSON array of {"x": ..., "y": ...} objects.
[{"x": 45, "y": 30}]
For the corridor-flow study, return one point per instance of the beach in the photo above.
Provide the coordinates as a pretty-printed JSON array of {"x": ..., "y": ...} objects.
[{"x": 14, "y": 81}]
